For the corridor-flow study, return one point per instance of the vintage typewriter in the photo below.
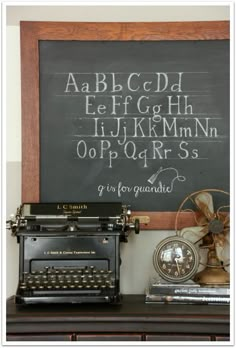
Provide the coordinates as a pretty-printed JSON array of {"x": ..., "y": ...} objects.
[{"x": 70, "y": 252}]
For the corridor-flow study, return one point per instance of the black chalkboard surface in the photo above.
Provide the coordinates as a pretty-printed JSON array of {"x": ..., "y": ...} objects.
[{"x": 145, "y": 123}]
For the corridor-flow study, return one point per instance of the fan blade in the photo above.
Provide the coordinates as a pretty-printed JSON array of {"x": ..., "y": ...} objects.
[
  {"x": 194, "y": 233},
  {"x": 226, "y": 222},
  {"x": 223, "y": 214},
  {"x": 223, "y": 247},
  {"x": 201, "y": 220},
  {"x": 204, "y": 202}
]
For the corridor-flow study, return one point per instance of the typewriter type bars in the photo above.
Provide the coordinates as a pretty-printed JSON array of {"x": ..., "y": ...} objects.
[{"x": 71, "y": 255}]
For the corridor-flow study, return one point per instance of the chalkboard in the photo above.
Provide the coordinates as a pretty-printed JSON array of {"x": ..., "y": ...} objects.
[
  {"x": 136, "y": 113},
  {"x": 145, "y": 123}
]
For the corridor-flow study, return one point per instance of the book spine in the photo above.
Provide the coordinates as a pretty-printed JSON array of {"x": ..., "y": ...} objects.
[
  {"x": 188, "y": 299},
  {"x": 190, "y": 291}
]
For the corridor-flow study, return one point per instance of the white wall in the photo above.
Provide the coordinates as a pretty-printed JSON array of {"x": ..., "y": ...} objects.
[{"x": 136, "y": 256}]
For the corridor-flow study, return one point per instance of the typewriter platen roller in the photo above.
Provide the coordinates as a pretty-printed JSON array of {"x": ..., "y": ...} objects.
[{"x": 70, "y": 252}]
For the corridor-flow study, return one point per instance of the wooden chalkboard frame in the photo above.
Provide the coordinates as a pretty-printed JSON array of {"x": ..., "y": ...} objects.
[{"x": 33, "y": 32}]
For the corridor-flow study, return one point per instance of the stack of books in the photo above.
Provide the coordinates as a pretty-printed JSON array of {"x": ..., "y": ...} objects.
[{"x": 187, "y": 293}]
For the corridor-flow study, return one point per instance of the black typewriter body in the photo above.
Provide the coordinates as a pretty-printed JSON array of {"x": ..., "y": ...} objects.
[{"x": 72, "y": 254}]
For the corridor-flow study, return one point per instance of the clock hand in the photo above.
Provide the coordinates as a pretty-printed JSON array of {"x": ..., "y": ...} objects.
[{"x": 177, "y": 264}]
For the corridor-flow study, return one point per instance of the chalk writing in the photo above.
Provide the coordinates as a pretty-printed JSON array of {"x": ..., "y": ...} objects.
[
  {"x": 160, "y": 187},
  {"x": 112, "y": 130},
  {"x": 155, "y": 117}
]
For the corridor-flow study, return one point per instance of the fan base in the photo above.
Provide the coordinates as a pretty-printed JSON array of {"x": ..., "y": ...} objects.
[{"x": 212, "y": 276}]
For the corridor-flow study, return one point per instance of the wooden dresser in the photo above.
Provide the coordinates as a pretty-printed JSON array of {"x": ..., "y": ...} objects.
[{"x": 133, "y": 320}]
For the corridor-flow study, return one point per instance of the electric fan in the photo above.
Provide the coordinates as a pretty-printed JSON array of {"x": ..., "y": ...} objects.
[{"x": 211, "y": 232}]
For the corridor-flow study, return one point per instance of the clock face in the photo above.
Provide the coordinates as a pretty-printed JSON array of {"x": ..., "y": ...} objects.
[{"x": 176, "y": 259}]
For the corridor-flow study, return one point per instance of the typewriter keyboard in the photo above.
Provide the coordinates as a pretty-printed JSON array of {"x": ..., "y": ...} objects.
[{"x": 60, "y": 281}]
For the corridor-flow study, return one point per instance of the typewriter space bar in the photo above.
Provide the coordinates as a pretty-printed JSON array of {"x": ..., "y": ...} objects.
[{"x": 66, "y": 292}]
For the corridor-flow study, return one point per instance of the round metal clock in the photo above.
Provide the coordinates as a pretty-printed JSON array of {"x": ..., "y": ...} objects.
[{"x": 176, "y": 259}]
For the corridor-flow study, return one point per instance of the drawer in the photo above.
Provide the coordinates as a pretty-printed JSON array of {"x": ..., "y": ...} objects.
[
  {"x": 39, "y": 337},
  {"x": 171, "y": 337},
  {"x": 109, "y": 337},
  {"x": 222, "y": 338}
]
